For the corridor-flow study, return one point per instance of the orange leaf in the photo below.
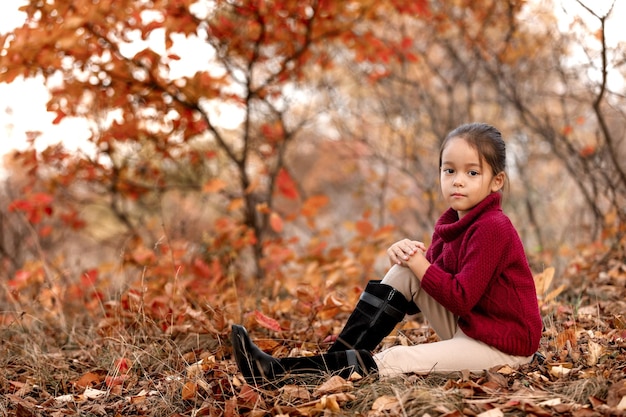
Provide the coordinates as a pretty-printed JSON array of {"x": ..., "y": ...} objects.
[
  {"x": 143, "y": 255},
  {"x": 236, "y": 204},
  {"x": 267, "y": 322},
  {"x": 214, "y": 185},
  {"x": 88, "y": 380},
  {"x": 599, "y": 34},
  {"x": 276, "y": 222},
  {"x": 189, "y": 390},
  {"x": 251, "y": 396},
  {"x": 567, "y": 335},
  {"x": 364, "y": 227},
  {"x": 313, "y": 204}
]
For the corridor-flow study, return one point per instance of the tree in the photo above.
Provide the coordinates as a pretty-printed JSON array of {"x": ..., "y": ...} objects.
[
  {"x": 154, "y": 131},
  {"x": 501, "y": 63},
  {"x": 577, "y": 115},
  {"x": 388, "y": 79}
]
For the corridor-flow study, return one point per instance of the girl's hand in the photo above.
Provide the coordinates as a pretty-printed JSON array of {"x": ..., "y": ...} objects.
[{"x": 400, "y": 252}]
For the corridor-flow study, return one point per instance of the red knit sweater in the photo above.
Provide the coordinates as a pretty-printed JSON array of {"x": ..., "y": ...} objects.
[{"x": 479, "y": 272}]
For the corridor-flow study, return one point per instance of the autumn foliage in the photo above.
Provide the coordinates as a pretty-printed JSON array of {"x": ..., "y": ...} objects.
[{"x": 249, "y": 161}]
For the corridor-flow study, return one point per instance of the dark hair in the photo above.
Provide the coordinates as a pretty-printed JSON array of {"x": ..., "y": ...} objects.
[{"x": 486, "y": 139}]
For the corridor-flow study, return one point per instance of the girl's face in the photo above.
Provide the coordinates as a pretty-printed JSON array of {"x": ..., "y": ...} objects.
[{"x": 465, "y": 181}]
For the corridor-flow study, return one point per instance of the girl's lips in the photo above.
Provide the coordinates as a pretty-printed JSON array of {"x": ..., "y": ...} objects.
[{"x": 456, "y": 195}]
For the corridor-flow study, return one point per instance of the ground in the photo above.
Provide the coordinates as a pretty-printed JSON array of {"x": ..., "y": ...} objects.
[{"x": 127, "y": 363}]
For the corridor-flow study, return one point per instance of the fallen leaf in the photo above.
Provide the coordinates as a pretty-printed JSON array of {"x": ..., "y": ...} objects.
[
  {"x": 334, "y": 384},
  {"x": 112, "y": 381},
  {"x": 69, "y": 397},
  {"x": 594, "y": 352},
  {"x": 290, "y": 393},
  {"x": 88, "y": 380},
  {"x": 267, "y": 322},
  {"x": 385, "y": 403},
  {"x": 559, "y": 371},
  {"x": 195, "y": 369},
  {"x": 551, "y": 402},
  {"x": 189, "y": 390},
  {"x": 141, "y": 396},
  {"x": 93, "y": 394},
  {"x": 543, "y": 280},
  {"x": 506, "y": 370},
  {"x": 251, "y": 396},
  {"x": 327, "y": 403},
  {"x": 343, "y": 397}
]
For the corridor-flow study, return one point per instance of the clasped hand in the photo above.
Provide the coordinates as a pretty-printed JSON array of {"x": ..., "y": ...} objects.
[{"x": 400, "y": 252}]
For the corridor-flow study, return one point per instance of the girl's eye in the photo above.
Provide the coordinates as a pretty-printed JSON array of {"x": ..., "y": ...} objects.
[
  {"x": 473, "y": 173},
  {"x": 448, "y": 171}
]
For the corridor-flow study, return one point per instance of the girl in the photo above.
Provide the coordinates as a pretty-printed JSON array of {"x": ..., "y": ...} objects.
[{"x": 473, "y": 284}]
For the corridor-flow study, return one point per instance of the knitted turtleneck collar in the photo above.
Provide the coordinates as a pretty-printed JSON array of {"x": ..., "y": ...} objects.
[{"x": 449, "y": 226}]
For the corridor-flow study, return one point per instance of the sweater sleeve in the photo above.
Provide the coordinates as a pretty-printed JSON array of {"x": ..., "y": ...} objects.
[{"x": 478, "y": 258}]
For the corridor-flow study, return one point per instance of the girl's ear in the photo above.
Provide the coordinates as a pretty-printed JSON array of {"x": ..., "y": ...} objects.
[{"x": 497, "y": 182}]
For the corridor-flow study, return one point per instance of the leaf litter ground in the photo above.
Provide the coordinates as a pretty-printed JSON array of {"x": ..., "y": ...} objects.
[{"x": 128, "y": 363}]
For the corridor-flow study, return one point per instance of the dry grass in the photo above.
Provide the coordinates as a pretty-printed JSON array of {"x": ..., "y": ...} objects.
[
  {"x": 126, "y": 362},
  {"x": 43, "y": 362}
]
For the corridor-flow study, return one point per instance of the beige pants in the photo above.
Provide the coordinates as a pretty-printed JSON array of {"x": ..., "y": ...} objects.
[{"x": 455, "y": 352}]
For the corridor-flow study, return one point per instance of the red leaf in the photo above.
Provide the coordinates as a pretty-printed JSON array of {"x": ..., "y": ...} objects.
[
  {"x": 112, "y": 381},
  {"x": 122, "y": 365},
  {"x": 286, "y": 185},
  {"x": 60, "y": 116},
  {"x": 587, "y": 151},
  {"x": 45, "y": 231},
  {"x": 267, "y": 322},
  {"x": 34, "y": 206},
  {"x": 20, "y": 280},
  {"x": 201, "y": 268},
  {"x": 42, "y": 198},
  {"x": 89, "y": 277}
]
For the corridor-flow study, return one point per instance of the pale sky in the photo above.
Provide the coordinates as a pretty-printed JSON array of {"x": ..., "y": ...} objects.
[{"x": 23, "y": 103}]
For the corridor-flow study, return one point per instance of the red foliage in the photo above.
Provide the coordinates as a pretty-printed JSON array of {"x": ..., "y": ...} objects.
[{"x": 35, "y": 206}]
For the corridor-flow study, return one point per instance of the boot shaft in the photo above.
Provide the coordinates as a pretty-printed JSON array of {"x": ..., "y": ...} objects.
[{"x": 380, "y": 308}]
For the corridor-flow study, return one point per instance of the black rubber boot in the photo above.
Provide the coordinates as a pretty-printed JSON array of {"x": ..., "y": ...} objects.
[
  {"x": 258, "y": 367},
  {"x": 379, "y": 309}
]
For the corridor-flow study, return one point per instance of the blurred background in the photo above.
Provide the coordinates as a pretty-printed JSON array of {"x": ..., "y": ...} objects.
[{"x": 200, "y": 148}]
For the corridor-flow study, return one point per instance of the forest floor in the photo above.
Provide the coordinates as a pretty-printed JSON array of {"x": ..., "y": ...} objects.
[{"x": 126, "y": 364}]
